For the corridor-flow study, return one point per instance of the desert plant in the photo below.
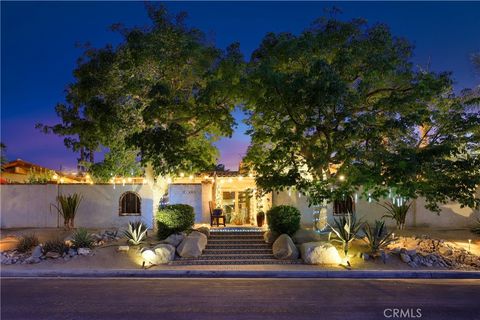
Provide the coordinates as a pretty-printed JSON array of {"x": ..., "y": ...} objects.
[
  {"x": 284, "y": 219},
  {"x": 82, "y": 239},
  {"x": 476, "y": 229},
  {"x": 27, "y": 242},
  {"x": 136, "y": 232},
  {"x": 174, "y": 218},
  {"x": 55, "y": 245},
  {"x": 68, "y": 206},
  {"x": 377, "y": 237},
  {"x": 397, "y": 212},
  {"x": 345, "y": 229}
]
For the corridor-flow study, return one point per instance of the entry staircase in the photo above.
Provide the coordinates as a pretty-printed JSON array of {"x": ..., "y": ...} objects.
[{"x": 235, "y": 246}]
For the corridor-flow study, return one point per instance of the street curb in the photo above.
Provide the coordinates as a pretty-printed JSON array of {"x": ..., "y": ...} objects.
[{"x": 322, "y": 274}]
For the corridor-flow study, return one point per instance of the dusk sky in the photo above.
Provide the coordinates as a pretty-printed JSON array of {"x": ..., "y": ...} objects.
[{"x": 38, "y": 52}]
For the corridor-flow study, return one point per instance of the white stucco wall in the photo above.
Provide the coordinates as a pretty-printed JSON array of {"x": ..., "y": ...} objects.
[
  {"x": 190, "y": 194},
  {"x": 29, "y": 205},
  {"x": 451, "y": 215}
]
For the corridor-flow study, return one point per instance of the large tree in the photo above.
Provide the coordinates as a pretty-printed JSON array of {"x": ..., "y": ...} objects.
[
  {"x": 340, "y": 108},
  {"x": 161, "y": 97}
]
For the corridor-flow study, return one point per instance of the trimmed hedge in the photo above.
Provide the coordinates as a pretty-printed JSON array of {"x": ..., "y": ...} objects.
[
  {"x": 284, "y": 219},
  {"x": 174, "y": 218}
]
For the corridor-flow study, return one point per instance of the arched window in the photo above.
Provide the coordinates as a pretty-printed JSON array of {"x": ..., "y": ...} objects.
[
  {"x": 130, "y": 204},
  {"x": 343, "y": 206}
]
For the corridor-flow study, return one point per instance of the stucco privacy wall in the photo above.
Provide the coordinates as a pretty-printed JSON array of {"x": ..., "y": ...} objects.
[
  {"x": 451, "y": 216},
  {"x": 29, "y": 205},
  {"x": 190, "y": 194}
]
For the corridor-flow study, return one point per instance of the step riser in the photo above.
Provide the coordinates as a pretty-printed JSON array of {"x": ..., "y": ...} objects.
[
  {"x": 237, "y": 252},
  {"x": 234, "y": 262},
  {"x": 230, "y": 257}
]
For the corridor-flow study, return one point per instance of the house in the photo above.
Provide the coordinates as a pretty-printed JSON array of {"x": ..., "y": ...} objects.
[
  {"x": 20, "y": 171},
  {"x": 114, "y": 204}
]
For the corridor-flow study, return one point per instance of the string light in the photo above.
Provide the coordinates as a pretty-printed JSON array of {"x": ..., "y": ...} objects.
[
  {"x": 341, "y": 177},
  {"x": 190, "y": 177},
  {"x": 182, "y": 174}
]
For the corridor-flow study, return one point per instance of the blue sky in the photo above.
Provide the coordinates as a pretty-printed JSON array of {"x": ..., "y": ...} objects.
[{"x": 38, "y": 52}]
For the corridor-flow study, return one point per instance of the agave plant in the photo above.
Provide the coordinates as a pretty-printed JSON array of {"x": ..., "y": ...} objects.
[
  {"x": 397, "y": 212},
  {"x": 476, "y": 229},
  {"x": 345, "y": 228},
  {"x": 136, "y": 232},
  {"x": 68, "y": 206},
  {"x": 377, "y": 237}
]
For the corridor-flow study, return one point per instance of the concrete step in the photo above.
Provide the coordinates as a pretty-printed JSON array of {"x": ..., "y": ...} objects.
[
  {"x": 235, "y": 240},
  {"x": 237, "y": 251},
  {"x": 231, "y": 257},
  {"x": 235, "y": 262},
  {"x": 237, "y": 246}
]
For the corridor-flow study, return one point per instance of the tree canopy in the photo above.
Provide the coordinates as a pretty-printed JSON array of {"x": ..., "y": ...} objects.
[
  {"x": 340, "y": 108},
  {"x": 162, "y": 97}
]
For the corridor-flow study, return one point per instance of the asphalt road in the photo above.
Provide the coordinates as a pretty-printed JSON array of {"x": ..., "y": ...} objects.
[{"x": 193, "y": 299}]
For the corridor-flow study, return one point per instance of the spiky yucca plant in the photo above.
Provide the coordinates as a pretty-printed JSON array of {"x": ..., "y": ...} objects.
[
  {"x": 67, "y": 208},
  {"x": 346, "y": 229},
  {"x": 397, "y": 212},
  {"x": 82, "y": 239},
  {"x": 136, "y": 232},
  {"x": 55, "y": 245},
  {"x": 377, "y": 237},
  {"x": 27, "y": 242}
]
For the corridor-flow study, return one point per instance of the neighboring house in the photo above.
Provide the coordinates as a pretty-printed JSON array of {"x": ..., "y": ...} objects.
[{"x": 19, "y": 171}]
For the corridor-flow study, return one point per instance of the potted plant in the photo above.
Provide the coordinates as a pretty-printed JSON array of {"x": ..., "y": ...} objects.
[{"x": 260, "y": 218}]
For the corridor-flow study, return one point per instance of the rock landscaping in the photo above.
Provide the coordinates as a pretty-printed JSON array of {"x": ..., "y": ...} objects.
[
  {"x": 38, "y": 255},
  {"x": 426, "y": 252}
]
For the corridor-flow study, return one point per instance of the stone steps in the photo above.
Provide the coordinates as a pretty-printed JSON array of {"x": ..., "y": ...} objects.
[{"x": 235, "y": 247}]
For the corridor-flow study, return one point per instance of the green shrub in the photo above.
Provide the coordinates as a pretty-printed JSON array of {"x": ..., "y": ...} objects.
[
  {"x": 55, "y": 245},
  {"x": 284, "y": 219},
  {"x": 174, "y": 218},
  {"x": 82, "y": 239},
  {"x": 136, "y": 232},
  {"x": 27, "y": 242}
]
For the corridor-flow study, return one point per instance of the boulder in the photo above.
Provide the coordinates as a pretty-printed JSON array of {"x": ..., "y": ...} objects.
[
  {"x": 174, "y": 239},
  {"x": 148, "y": 255},
  {"x": 204, "y": 230},
  {"x": 164, "y": 253},
  {"x": 319, "y": 253},
  {"x": 193, "y": 245},
  {"x": 284, "y": 248},
  {"x": 270, "y": 236},
  {"x": 306, "y": 235}
]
